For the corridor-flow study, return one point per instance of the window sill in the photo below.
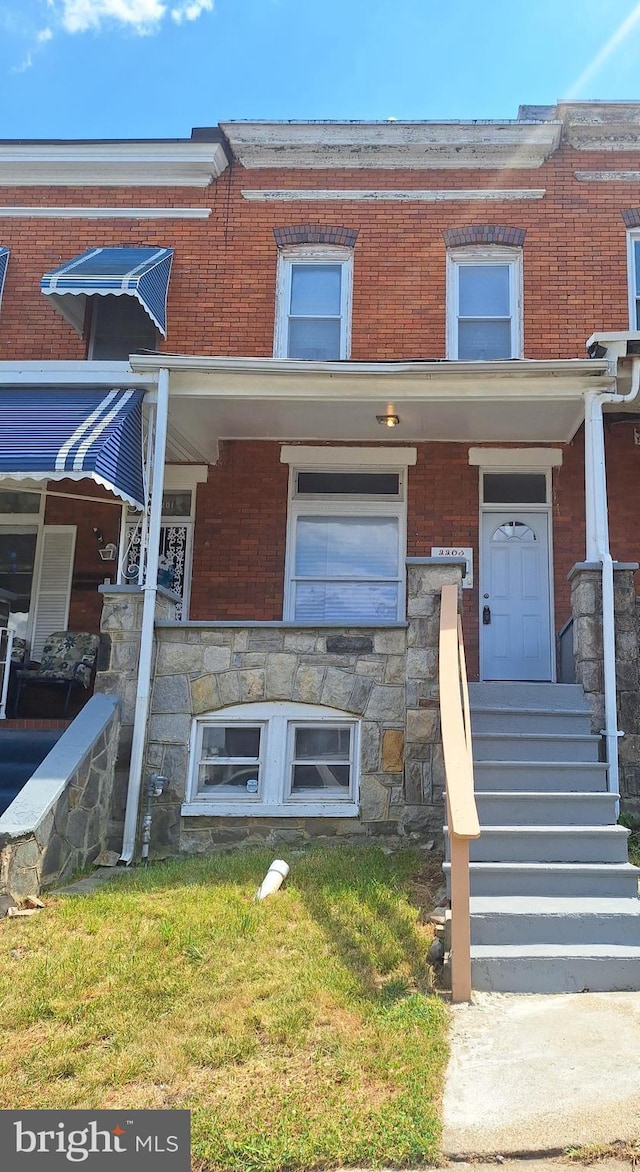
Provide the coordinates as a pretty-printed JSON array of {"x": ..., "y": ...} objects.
[{"x": 326, "y": 809}]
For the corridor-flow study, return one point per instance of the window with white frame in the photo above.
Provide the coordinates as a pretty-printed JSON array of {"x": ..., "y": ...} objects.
[
  {"x": 346, "y": 541},
  {"x": 313, "y": 303},
  {"x": 633, "y": 264},
  {"x": 484, "y": 303},
  {"x": 275, "y": 758}
]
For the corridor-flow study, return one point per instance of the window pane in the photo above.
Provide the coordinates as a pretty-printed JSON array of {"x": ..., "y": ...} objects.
[
  {"x": 176, "y": 504},
  {"x": 121, "y": 327},
  {"x": 636, "y": 254},
  {"x": 346, "y": 483},
  {"x": 315, "y": 290},
  {"x": 484, "y": 340},
  {"x": 311, "y": 744},
  {"x": 321, "y": 776},
  {"x": 505, "y": 487},
  {"x": 315, "y": 340},
  {"x": 484, "y": 291},
  {"x": 343, "y": 602},
  {"x": 19, "y": 502},
  {"x": 17, "y": 559},
  {"x": 236, "y": 781},
  {"x": 350, "y": 547},
  {"x": 220, "y": 741}
]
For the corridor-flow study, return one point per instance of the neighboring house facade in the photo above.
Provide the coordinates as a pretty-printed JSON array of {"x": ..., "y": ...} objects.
[{"x": 359, "y": 368}]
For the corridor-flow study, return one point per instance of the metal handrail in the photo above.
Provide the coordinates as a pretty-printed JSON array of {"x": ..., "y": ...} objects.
[
  {"x": 462, "y": 813},
  {"x": 6, "y": 641}
]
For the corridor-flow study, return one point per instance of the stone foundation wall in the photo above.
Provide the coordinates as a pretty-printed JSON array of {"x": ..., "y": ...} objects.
[
  {"x": 43, "y": 841},
  {"x": 385, "y": 676}
]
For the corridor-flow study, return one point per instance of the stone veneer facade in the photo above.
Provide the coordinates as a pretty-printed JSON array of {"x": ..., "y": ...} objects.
[{"x": 385, "y": 676}]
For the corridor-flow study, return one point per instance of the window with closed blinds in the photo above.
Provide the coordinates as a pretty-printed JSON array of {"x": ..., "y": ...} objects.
[{"x": 346, "y": 568}]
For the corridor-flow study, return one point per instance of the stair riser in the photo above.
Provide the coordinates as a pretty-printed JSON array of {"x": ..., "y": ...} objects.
[
  {"x": 561, "y": 884},
  {"x": 555, "y": 975},
  {"x": 533, "y": 696},
  {"x": 597, "y": 846},
  {"x": 530, "y": 722},
  {"x": 503, "y": 928},
  {"x": 542, "y": 748},
  {"x": 572, "y": 810},
  {"x": 491, "y": 778}
]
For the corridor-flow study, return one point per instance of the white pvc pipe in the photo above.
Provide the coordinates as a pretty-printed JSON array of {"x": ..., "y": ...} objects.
[
  {"x": 273, "y": 879},
  {"x": 598, "y": 550},
  {"x": 143, "y": 691}
]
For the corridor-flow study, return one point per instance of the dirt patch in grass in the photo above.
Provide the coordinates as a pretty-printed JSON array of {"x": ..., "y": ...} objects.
[{"x": 302, "y": 1032}]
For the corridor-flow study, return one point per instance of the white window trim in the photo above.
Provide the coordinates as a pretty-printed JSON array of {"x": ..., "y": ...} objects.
[
  {"x": 633, "y": 237},
  {"x": 278, "y": 719},
  {"x": 485, "y": 255},
  {"x": 515, "y": 459},
  {"x": 312, "y": 254},
  {"x": 322, "y": 504}
]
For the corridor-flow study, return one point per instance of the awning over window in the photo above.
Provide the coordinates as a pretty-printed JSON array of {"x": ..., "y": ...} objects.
[
  {"x": 49, "y": 434},
  {"x": 4, "y": 261},
  {"x": 142, "y": 273}
]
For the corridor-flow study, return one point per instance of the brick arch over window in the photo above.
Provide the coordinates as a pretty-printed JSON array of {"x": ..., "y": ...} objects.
[
  {"x": 315, "y": 234},
  {"x": 484, "y": 234},
  {"x": 631, "y": 217}
]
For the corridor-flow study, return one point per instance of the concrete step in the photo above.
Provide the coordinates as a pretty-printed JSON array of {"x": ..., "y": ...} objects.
[
  {"x": 581, "y": 880},
  {"x": 520, "y": 808},
  {"x": 505, "y": 920},
  {"x": 550, "y": 844},
  {"x": 540, "y": 776},
  {"x": 535, "y": 747},
  {"x": 555, "y": 968},
  {"x": 520, "y": 720},
  {"x": 569, "y": 697}
]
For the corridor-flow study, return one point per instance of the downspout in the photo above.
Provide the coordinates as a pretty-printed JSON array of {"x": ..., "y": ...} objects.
[
  {"x": 143, "y": 690},
  {"x": 598, "y": 550}
]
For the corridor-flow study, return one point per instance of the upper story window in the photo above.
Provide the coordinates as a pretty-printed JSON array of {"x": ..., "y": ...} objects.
[
  {"x": 119, "y": 326},
  {"x": 633, "y": 254},
  {"x": 313, "y": 303},
  {"x": 484, "y": 303}
]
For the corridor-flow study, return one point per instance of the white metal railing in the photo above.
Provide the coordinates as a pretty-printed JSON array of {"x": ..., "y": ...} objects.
[
  {"x": 462, "y": 813},
  {"x": 6, "y": 645}
]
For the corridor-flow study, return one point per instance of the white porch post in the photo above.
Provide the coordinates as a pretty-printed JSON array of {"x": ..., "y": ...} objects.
[{"x": 148, "y": 617}]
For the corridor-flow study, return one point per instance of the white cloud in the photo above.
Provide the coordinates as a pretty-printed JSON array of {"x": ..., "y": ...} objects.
[
  {"x": 44, "y": 35},
  {"x": 191, "y": 10},
  {"x": 80, "y": 16}
]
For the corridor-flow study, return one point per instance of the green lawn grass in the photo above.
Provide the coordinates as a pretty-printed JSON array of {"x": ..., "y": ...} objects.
[{"x": 302, "y": 1032}]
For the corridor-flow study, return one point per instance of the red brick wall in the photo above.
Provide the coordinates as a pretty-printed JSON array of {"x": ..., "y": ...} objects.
[
  {"x": 89, "y": 571},
  {"x": 222, "y": 290}
]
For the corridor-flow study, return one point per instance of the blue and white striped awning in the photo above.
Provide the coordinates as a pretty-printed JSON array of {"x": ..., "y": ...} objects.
[
  {"x": 135, "y": 272},
  {"x": 4, "y": 261},
  {"x": 52, "y": 434}
]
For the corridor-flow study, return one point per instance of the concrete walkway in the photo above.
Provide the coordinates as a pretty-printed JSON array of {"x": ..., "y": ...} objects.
[{"x": 542, "y": 1073}]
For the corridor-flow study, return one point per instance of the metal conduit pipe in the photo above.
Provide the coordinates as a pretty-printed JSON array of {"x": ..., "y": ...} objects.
[
  {"x": 598, "y": 550},
  {"x": 143, "y": 689}
]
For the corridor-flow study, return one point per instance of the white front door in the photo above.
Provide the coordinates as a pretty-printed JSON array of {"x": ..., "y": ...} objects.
[{"x": 515, "y": 601}]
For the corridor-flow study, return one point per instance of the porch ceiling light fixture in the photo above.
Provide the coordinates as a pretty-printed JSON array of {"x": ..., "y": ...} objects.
[{"x": 388, "y": 420}]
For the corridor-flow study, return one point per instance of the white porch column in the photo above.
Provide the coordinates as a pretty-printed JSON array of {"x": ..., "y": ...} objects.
[{"x": 143, "y": 692}]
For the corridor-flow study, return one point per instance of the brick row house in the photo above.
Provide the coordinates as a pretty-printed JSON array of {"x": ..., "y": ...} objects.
[{"x": 298, "y": 376}]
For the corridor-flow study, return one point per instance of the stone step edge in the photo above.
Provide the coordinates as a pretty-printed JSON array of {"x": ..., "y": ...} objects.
[
  {"x": 529, "y": 794},
  {"x": 609, "y": 831},
  {"x": 535, "y": 868},
  {"x": 493, "y": 709},
  {"x": 501, "y": 764},
  {"x": 553, "y": 906},
  {"x": 554, "y": 951},
  {"x": 536, "y": 736}
]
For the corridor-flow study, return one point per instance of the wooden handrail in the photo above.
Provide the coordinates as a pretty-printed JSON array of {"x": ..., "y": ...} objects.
[{"x": 462, "y": 813}]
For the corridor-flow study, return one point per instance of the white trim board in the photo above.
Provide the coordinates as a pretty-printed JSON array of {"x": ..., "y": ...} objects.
[
  {"x": 607, "y": 176},
  {"x": 515, "y": 457},
  {"x": 19, "y": 212},
  {"x": 317, "y": 456},
  {"x": 396, "y": 195}
]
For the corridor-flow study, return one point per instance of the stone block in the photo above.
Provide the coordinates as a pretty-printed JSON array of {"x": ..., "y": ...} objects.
[
  {"x": 392, "y": 750},
  {"x": 170, "y": 729},
  {"x": 212, "y": 636},
  {"x": 373, "y": 668},
  {"x": 589, "y": 674},
  {"x": 360, "y": 693},
  {"x": 624, "y": 593},
  {"x": 299, "y": 641},
  {"x": 422, "y": 663},
  {"x": 431, "y": 579},
  {"x": 308, "y": 683},
  {"x": 394, "y": 672},
  {"x": 629, "y": 749},
  {"x": 337, "y": 688},
  {"x": 385, "y": 703},
  {"x": 241, "y": 640},
  {"x": 265, "y": 639},
  {"x": 423, "y": 632},
  {"x": 629, "y": 712},
  {"x": 413, "y": 783},
  {"x": 280, "y": 673},
  {"x": 179, "y": 658},
  {"x": 349, "y": 644},
  {"x": 374, "y": 800},
  {"x": 370, "y": 743},
  {"x": 205, "y": 696},
  {"x": 427, "y": 821},
  {"x": 583, "y": 597},
  {"x": 627, "y": 677},
  {"x": 626, "y": 645},
  {"x": 171, "y": 694},
  {"x": 175, "y": 765},
  {"x": 391, "y": 642},
  {"x": 229, "y": 688},
  {"x": 249, "y": 659},
  {"x": 421, "y": 605},
  {"x": 120, "y": 614},
  {"x": 422, "y": 724},
  {"x": 587, "y": 638},
  {"x": 251, "y": 685},
  {"x": 216, "y": 659}
]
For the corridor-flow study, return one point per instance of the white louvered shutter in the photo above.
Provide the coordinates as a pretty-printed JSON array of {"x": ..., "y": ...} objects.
[{"x": 53, "y": 590}]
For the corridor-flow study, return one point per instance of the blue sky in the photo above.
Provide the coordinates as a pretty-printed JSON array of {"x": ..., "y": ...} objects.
[{"x": 155, "y": 68}]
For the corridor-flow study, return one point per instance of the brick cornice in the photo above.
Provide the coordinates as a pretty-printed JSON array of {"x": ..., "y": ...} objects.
[
  {"x": 484, "y": 234},
  {"x": 315, "y": 234}
]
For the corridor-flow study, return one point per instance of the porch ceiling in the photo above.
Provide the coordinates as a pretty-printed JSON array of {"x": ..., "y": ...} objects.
[{"x": 519, "y": 402}]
